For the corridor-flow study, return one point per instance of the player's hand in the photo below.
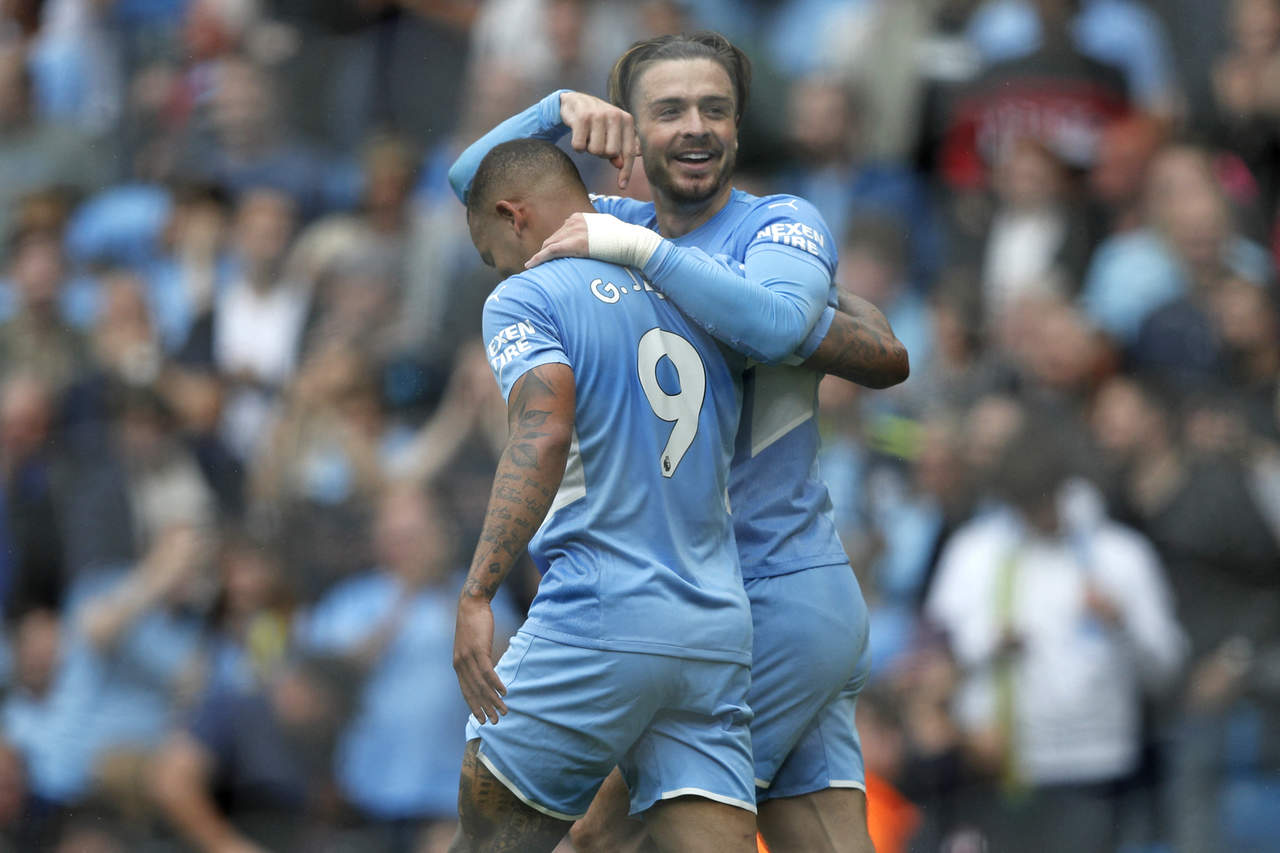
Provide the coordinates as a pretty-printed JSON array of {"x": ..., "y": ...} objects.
[
  {"x": 482, "y": 690},
  {"x": 601, "y": 129},
  {"x": 568, "y": 241}
]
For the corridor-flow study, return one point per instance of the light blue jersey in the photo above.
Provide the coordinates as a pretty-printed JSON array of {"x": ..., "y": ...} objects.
[
  {"x": 637, "y": 551},
  {"x": 781, "y": 509}
]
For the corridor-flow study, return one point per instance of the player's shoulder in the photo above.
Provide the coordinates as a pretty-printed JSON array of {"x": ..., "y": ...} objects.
[
  {"x": 788, "y": 220},
  {"x": 627, "y": 209},
  {"x": 783, "y": 205}
]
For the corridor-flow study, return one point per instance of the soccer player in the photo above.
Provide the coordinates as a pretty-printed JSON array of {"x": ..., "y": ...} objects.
[
  {"x": 637, "y": 647},
  {"x": 687, "y": 94}
]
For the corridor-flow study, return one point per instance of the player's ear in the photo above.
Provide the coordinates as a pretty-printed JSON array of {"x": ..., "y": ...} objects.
[
  {"x": 514, "y": 215},
  {"x": 519, "y": 217}
]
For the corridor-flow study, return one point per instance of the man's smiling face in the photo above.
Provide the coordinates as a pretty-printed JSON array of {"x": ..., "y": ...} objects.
[{"x": 686, "y": 120}]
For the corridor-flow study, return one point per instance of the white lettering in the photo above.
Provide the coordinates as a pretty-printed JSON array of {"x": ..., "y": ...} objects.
[
  {"x": 794, "y": 234},
  {"x": 608, "y": 293}
]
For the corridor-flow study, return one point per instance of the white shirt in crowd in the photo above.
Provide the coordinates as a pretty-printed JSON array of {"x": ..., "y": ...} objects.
[
  {"x": 256, "y": 332},
  {"x": 1077, "y": 683}
]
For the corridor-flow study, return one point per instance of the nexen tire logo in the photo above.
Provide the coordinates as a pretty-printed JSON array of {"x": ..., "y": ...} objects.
[
  {"x": 794, "y": 234},
  {"x": 509, "y": 343}
]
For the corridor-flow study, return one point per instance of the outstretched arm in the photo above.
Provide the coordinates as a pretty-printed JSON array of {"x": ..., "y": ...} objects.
[
  {"x": 540, "y": 418},
  {"x": 860, "y": 347},
  {"x": 598, "y": 128}
]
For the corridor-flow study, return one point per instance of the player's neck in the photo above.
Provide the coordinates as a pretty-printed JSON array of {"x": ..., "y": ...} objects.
[{"x": 676, "y": 219}]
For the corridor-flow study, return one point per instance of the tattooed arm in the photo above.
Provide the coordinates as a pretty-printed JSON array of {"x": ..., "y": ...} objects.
[
  {"x": 540, "y": 420},
  {"x": 861, "y": 347}
]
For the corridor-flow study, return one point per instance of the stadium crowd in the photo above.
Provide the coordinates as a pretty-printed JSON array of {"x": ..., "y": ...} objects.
[{"x": 247, "y": 429}]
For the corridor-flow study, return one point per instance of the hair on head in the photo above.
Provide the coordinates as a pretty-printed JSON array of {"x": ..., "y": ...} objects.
[
  {"x": 704, "y": 44},
  {"x": 512, "y": 168}
]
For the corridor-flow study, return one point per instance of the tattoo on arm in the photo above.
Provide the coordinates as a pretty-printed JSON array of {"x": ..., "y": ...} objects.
[
  {"x": 861, "y": 347},
  {"x": 540, "y": 418}
]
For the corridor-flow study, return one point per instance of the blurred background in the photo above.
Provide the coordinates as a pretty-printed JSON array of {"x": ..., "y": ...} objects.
[{"x": 247, "y": 428}]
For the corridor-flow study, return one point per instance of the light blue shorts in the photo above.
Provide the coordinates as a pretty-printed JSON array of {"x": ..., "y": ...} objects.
[
  {"x": 674, "y": 726},
  {"x": 811, "y": 660}
]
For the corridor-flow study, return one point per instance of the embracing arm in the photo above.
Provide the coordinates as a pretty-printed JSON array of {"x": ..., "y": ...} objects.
[
  {"x": 764, "y": 308},
  {"x": 860, "y": 347},
  {"x": 540, "y": 417},
  {"x": 766, "y": 311},
  {"x": 597, "y": 126}
]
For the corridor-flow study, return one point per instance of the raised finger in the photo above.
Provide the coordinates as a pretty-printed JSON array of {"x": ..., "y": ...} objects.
[{"x": 630, "y": 151}]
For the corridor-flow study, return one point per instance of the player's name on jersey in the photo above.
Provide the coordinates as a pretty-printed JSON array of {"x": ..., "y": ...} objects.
[
  {"x": 794, "y": 234},
  {"x": 608, "y": 292}
]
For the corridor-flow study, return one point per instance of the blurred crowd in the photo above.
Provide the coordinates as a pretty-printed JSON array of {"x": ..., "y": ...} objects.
[{"x": 247, "y": 428}]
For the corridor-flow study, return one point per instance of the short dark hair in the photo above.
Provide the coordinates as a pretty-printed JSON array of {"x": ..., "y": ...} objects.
[
  {"x": 704, "y": 44},
  {"x": 512, "y": 167}
]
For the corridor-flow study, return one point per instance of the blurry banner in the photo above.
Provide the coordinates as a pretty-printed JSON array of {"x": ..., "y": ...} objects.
[{"x": 1058, "y": 98}]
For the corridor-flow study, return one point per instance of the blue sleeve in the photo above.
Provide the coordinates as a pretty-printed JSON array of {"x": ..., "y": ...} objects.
[
  {"x": 540, "y": 121},
  {"x": 817, "y": 333},
  {"x": 769, "y": 309},
  {"x": 766, "y": 311},
  {"x": 521, "y": 331}
]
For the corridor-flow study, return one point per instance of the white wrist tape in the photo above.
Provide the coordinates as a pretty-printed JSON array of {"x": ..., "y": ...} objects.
[{"x": 610, "y": 239}]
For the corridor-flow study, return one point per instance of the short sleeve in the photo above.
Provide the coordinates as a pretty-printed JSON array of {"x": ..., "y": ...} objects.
[
  {"x": 791, "y": 222},
  {"x": 520, "y": 331}
]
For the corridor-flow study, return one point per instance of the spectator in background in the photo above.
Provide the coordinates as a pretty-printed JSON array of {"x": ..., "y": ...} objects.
[
  {"x": 36, "y": 645},
  {"x": 249, "y": 772},
  {"x": 1060, "y": 621},
  {"x": 246, "y": 146},
  {"x": 874, "y": 265},
  {"x": 548, "y": 44},
  {"x": 125, "y": 346},
  {"x": 1125, "y": 151},
  {"x": 1054, "y": 94},
  {"x": 320, "y": 469},
  {"x": 31, "y": 537},
  {"x": 1199, "y": 511},
  {"x": 255, "y": 330},
  {"x": 132, "y": 485},
  {"x": 398, "y": 761},
  {"x": 248, "y": 628},
  {"x": 1189, "y": 241},
  {"x": 195, "y": 396},
  {"x": 1123, "y": 33},
  {"x": 190, "y": 264},
  {"x": 1246, "y": 89},
  {"x": 1038, "y": 235},
  {"x": 131, "y": 637},
  {"x": 35, "y": 154},
  {"x": 36, "y": 338},
  {"x": 830, "y": 168},
  {"x": 458, "y": 447},
  {"x": 76, "y": 67},
  {"x": 1053, "y": 352}
]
